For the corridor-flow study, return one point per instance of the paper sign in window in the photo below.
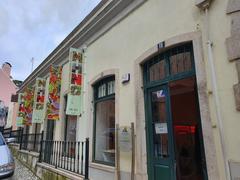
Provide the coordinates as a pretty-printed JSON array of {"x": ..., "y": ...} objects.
[{"x": 161, "y": 128}]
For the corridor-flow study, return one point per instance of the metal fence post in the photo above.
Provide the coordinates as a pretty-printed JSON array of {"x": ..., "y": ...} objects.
[
  {"x": 19, "y": 135},
  {"x": 41, "y": 146},
  {"x": 34, "y": 142},
  {"x": 10, "y": 134},
  {"x": 21, "y": 138},
  {"x": 87, "y": 159}
]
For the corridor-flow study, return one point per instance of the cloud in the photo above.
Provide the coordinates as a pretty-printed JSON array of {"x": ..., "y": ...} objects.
[{"x": 33, "y": 28}]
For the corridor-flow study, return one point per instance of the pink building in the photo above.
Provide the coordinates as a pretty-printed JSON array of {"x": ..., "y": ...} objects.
[{"x": 7, "y": 86}]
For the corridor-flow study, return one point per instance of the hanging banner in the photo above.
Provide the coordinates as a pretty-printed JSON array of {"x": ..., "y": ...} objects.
[
  {"x": 21, "y": 116},
  {"x": 39, "y": 101},
  {"x": 74, "y": 100},
  {"x": 54, "y": 89},
  {"x": 28, "y": 105}
]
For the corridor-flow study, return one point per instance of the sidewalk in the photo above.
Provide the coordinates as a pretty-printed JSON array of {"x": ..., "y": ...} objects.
[{"x": 22, "y": 173}]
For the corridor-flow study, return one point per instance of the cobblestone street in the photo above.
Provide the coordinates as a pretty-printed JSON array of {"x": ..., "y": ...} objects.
[{"x": 22, "y": 173}]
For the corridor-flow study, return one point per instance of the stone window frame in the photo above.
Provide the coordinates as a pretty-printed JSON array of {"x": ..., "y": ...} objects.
[
  {"x": 100, "y": 99},
  {"x": 90, "y": 115}
]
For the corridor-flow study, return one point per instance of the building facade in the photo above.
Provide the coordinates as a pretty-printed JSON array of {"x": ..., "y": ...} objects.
[
  {"x": 7, "y": 88},
  {"x": 169, "y": 68}
]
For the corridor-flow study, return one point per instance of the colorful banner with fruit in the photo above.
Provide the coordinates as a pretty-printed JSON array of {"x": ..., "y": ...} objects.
[
  {"x": 28, "y": 105},
  {"x": 54, "y": 89}
]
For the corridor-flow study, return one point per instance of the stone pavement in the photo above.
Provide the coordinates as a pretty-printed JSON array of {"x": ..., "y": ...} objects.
[{"x": 22, "y": 173}]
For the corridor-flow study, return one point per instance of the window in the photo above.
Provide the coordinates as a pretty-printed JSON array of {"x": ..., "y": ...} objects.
[
  {"x": 104, "y": 121},
  {"x": 157, "y": 71},
  {"x": 69, "y": 132},
  {"x": 173, "y": 63},
  {"x": 70, "y": 125},
  {"x": 180, "y": 63}
]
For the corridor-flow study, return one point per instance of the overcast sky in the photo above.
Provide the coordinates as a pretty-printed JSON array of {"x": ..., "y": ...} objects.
[{"x": 34, "y": 28}]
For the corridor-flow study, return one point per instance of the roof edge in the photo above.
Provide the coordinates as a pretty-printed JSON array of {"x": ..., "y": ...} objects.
[{"x": 95, "y": 21}]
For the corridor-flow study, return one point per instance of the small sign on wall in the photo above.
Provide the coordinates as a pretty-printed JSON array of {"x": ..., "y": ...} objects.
[
  {"x": 161, "y": 45},
  {"x": 125, "y": 139},
  {"x": 125, "y": 78}
]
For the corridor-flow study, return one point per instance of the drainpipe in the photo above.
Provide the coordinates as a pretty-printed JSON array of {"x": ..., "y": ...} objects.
[
  {"x": 84, "y": 64},
  {"x": 84, "y": 84},
  {"x": 215, "y": 92}
]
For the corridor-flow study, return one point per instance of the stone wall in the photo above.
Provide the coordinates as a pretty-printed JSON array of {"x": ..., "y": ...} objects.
[
  {"x": 233, "y": 51},
  {"x": 47, "y": 172},
  {"x": 41, "y": 170},
  {"x": 28, "y": 159},
  {"x": 233, "y": 44}
]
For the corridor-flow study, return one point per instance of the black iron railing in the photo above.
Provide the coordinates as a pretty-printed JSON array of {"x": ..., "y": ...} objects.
[
  {"x": 31, "y": 142},
  {"x": 71, "y": 156},
  {"x": 16, "y": 134},
  {"x": 6, "y": 132}
]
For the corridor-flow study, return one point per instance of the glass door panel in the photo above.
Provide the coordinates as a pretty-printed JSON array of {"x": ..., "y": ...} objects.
[
  {"x": 159, "y": 120},
  {"x": 160, "y": 139}
]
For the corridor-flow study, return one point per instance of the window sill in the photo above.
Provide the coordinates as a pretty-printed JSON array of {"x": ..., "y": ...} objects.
[{"x": 102, "y": 167}]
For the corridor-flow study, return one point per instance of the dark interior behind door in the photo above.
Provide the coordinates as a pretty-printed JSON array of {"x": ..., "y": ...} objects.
[{"x": 187, "y": 129}]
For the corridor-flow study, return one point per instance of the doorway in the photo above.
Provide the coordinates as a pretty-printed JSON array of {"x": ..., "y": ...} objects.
[
  {"x": 70, "y": 128},
  {"x": 174, "y": 135},
  {"x": 50, "y": 129},
  {"x": 186, "y": 130}
]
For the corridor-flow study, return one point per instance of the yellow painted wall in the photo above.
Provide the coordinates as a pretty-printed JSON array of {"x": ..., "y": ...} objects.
[
  {"x": 156, "y": 21},
  {"x": 149, "y": 24},
  {"x": 227, "y": 77}
]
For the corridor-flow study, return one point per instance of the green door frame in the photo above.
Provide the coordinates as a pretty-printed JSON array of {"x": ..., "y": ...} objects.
[
  {"x": 149, "y": 126},
  {"x": 150, "y": 85}
]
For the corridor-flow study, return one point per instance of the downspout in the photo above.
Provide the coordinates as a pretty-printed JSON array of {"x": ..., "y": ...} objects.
[
  {"x": 85, "y": 84},
  {"x": 215, "y": 92},
  {"x": 84, "y": 62}
]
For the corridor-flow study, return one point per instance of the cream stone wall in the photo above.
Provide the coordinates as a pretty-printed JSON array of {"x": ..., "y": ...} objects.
[
  {"x": 118, "y": 49},
  {"x": 226, "y": 76},
  {"x": 151, "y": 23}
]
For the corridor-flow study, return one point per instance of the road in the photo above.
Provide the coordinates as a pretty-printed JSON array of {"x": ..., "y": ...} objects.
[{"x": 22, "y": 173}]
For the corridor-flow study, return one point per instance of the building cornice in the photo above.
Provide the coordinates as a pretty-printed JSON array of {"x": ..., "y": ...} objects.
[{"x": 101, "y": 19}]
